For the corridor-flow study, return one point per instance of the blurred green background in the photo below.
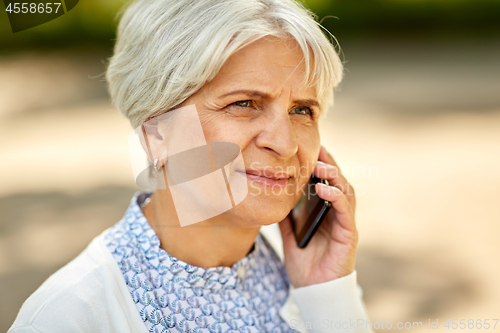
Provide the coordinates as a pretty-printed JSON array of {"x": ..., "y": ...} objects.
[
  {"x": 420, "y": 103},
  {"x": 94, "y": 22}
]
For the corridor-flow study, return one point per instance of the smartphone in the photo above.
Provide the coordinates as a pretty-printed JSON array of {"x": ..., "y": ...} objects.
[{"x": 309, "y": 212}]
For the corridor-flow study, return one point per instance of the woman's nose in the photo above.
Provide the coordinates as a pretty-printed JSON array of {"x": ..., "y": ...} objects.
[{"x": 277, "y": 134}]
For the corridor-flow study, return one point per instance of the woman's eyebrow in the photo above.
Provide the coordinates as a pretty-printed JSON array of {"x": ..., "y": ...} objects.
[
  {"x": 263, "y": 95},
  {"x": 250, "y": 93},
  {"x": 307, "y": 102}
]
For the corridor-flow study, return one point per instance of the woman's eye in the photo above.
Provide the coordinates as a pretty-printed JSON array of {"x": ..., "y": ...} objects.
[
  {"x": 301, "y": 110},
  {"x": 243, "y": 104}
]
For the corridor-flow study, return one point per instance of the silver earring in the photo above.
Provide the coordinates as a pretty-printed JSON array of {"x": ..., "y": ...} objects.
[{"x": 156, "y": 165}]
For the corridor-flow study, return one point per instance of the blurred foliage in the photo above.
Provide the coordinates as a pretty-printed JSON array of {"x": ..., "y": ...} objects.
[
  {"x": 93, "y": 22},
  {"x": 471, "y": 18}
]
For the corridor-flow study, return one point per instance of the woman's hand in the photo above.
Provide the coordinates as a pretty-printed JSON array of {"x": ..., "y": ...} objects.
[{"x": 331, "y": 252}]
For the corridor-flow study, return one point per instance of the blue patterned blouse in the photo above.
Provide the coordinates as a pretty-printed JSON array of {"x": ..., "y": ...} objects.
[{"x": 173, "y": 296}]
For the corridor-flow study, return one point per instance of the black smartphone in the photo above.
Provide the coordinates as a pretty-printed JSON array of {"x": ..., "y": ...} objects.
[{"x": 309, "y": 212}]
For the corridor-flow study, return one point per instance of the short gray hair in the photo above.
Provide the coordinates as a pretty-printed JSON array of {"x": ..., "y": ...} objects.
[{"x": 166, "y": 50}]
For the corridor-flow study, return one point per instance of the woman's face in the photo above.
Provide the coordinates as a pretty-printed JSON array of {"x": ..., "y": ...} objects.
[{"x": 258, "y": 102}]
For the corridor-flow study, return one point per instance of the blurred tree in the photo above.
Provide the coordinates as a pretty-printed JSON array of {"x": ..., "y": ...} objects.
[
  {"x": 90, "y": 22},
  {"x": 408, "y": 17},
  {"x": 93, "y": 21}
]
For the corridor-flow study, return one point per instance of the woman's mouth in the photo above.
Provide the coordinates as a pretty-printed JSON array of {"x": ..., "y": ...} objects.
[{"x": 264, "y": 178}]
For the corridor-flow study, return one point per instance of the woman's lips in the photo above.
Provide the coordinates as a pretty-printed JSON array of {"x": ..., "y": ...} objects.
[{"x": 265, "y": 181}]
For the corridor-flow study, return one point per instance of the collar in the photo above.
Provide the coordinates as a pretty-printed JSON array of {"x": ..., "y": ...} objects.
[{"x": 137, "y": 238}]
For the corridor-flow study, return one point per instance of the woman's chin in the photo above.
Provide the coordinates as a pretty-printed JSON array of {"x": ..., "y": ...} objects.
[{"x": 257, "y": 210}]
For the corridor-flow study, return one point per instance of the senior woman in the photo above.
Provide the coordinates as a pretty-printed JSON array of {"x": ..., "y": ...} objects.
[{"x": 260, "y": 73}]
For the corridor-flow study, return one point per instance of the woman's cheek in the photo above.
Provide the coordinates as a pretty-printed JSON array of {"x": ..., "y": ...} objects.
[
  {"x": 309, "y": 146},
  {"x": 220, "y": 129}
]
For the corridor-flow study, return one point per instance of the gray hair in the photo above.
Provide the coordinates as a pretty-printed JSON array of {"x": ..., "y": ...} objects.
[{"x": 166, "y": 50}]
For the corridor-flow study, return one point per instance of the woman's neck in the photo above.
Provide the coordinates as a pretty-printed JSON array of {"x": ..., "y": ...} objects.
[{"x": 210, "y": 243}]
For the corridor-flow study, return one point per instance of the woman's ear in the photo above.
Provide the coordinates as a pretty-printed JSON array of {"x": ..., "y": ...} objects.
[{"x": 153, "y": 142}]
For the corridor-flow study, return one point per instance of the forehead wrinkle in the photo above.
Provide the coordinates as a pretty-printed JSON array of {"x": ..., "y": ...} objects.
[
  {"x": 261, "y": 81},
  {"x": 289, "y": 77}
]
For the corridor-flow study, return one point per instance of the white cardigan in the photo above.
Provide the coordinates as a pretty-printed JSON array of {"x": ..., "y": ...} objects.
[{"x": 89, "y": 294}]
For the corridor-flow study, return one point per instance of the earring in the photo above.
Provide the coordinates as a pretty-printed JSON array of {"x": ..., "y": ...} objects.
[{"x": 156, "y": 165}]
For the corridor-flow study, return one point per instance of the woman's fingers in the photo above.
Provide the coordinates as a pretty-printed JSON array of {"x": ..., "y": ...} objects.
[
  {"x": 326, "y": 168},
  {"x": 343, "y": 210},
  {"x": 335, "y": 178},
  {"x": 327, "y": 171}
]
